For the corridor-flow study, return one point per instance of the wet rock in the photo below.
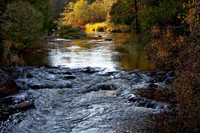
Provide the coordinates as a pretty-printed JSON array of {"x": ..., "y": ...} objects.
[
  {"x": 39, "y": 51},
  {"x": 68, "y": 73},
  {"x": 158, "y": 105},
  {"x": 160, "y": 73},
  {"x": 25, "y": 105},
  {"x": 69, "y": 77},
  {"x": 108, "y": 39},
  {"x": 109, "y": 73},
  {"x": 7, "y": 84},
  {"x": 50, "y": 85},
  {"x": 170, "y": 74},
  {"x": 29, "y": 75},
  {"x": 39, "y": 85},
  {"x": 157, "y": 79},
  {"x": 143, "y": 102},
  {"x": 135, "y": 78},
  {"x": 135, "y": 71},
  {"x": 151, "y": 85},
  {"x": 100, "y": 87},
  {"x": 105, "y": 87},
  {"x": 150, "y": 104},
  {"x": 89, "y": 70},
  {"x": 58, "y": 71},
  {"x": 135, "y": 99},
  {"x": 62, "y": 84},
  {"x": 169, "y": 80}
]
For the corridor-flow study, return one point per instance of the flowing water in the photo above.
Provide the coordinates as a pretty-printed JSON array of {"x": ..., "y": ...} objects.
[{"x": 80, "y": 86}]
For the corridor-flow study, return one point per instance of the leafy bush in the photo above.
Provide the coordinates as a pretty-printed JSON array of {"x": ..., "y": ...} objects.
[
  {"x": 24, "y": 24},
  {"x": 121, "y": 13},
  {"x": 165, "y": 13},
  {"x": 67, "y": 31},
  {"x": 180, "y": 53}
]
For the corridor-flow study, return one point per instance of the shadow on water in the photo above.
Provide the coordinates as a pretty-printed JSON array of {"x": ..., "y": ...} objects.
[{"x": 93, "y": 51}]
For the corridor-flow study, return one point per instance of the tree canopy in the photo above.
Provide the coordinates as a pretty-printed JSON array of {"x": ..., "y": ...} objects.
[
  {"x": 80, "y": 13},
  {"x": 25, "y": 21}
]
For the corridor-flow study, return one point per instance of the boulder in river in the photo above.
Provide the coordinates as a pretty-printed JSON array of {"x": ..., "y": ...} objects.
[
  {"x": 25, "y": 105},
  {"x": 7, "y": 84}
]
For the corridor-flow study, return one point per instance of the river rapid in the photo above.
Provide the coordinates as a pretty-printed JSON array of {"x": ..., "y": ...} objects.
[{"x": 85, "y": 87}]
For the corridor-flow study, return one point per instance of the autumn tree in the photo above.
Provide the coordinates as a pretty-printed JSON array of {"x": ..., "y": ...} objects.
[
  {"x": 180, "y": 51},
  {"x": 80, "y": 13}
]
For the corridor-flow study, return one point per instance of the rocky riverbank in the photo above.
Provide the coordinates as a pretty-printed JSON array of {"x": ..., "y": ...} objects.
[{"x": 61, "y": 99}]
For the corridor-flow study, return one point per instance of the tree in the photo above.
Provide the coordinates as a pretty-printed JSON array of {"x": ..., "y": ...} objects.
[
  {"x": 74, "y": 12},
  {"x": 81, "y": 13},
  {"x": 24, "y": 24},
  {"x": 121, "y": 13}
]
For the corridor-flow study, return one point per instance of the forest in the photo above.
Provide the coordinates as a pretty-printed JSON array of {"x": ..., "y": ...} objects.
[{"x": 167, "y": 30}]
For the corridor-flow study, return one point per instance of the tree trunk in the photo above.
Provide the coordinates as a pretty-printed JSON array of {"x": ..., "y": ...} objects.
[{"x": 136, "y": 18}]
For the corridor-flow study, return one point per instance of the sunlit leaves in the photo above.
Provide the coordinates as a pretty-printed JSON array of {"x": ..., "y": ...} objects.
[{"x": 80, "y": 13}]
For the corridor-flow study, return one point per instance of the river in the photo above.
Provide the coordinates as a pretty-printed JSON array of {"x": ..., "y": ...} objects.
[
  {"x": 82, "y": 86},
  {"x": 91, "y": 51}
]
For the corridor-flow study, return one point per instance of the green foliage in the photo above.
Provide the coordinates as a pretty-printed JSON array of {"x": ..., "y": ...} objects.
[
  {"x": 163, "y": 14},
  {"x": 67, "y": 31},
  {"x": 47, "y": 11},
  {"x": 24, "y": 24},
  {"x": 121, "y": 14}
]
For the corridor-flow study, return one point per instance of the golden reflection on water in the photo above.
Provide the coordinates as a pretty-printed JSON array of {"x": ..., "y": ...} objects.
[{"x": 92, "y": 51}]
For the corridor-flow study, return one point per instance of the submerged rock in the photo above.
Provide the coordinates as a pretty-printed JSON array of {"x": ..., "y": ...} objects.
[
  {"x": 89, "y": 70},
  {"x": 171, "y": 74},
  {"x": 69, "y": 77},
  {"x": 108, "y": 39},
  {"x": 169, "y": 80},
  {"x": 143, "y": 102},
  {"x": 25, "y": 105},
  {"x": 151, "y": 85},
  {"x": 7, "y": 84},
  {"x": 29, "y": 75}
]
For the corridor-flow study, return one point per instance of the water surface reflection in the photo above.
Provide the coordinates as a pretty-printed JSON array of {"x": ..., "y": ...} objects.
[{"x": 93, "y": 51}]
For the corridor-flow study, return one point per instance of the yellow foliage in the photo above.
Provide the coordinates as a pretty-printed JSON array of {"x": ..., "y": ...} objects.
[
  {"x": 95, "y": 27},
  {"x": 106, "y": 27},
  {"x": 80, "y": 13}
]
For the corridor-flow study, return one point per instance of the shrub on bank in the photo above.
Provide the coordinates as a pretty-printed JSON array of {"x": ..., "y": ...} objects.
[
  {"x": 67, "y": 31},
  {"x": 179, "y": 53}
]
